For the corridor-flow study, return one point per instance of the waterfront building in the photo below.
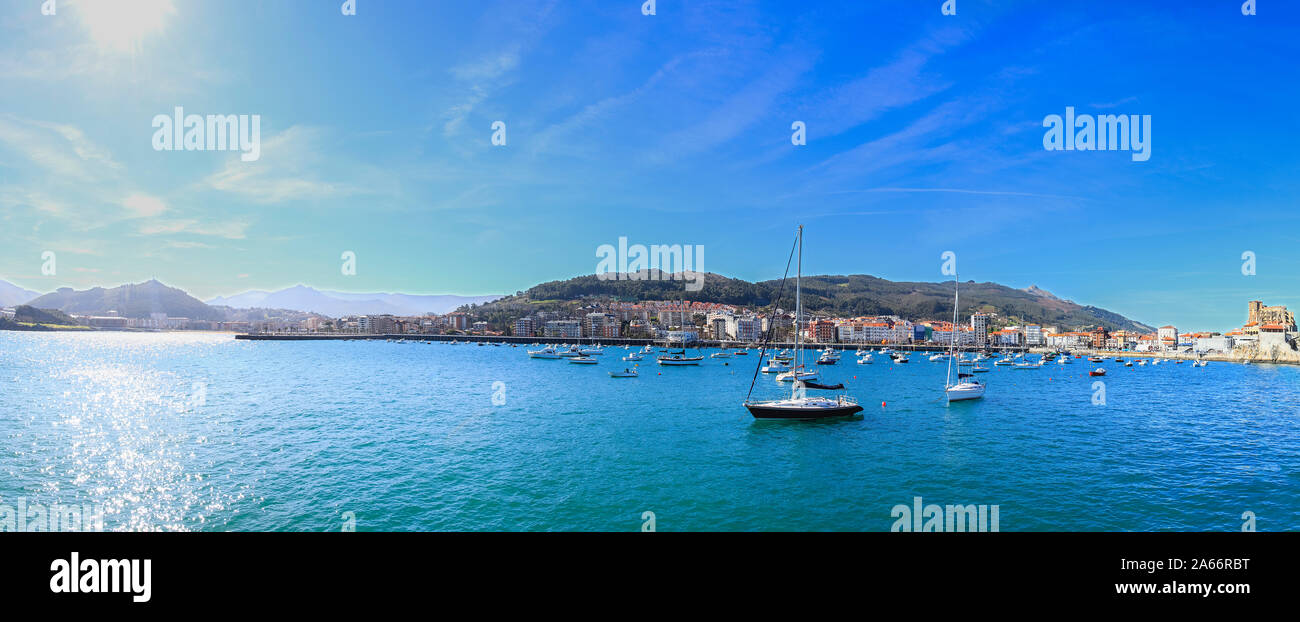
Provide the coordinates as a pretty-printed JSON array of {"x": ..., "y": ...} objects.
[
  {"x": 1257, "y": 313},
  {"x": 569, "y": 329},
  {"x": 1167, "y": 335},
  {"x": 1213, "y": 343},
  {"x": 1009, "y": 337},
  {"x": 749, "y": 328},
  {"x": 601, "y": 325},
  {"x": 1033, "y": 335},
  {"x": 682, "y": 336},
  {"x": 457, "y": 320},
  {"x": 1099, "y": 337},
  {"x": 525, "y": 327},
  {"x": 821, "y": 331},
  {"x": 979, "y": 323},
  {"x": 106, "y": 322}
]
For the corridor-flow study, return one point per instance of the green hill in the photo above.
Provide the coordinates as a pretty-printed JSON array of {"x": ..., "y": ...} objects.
[
  {"x": 843, "y": 296},
  {"x": 134, "y": 301}
]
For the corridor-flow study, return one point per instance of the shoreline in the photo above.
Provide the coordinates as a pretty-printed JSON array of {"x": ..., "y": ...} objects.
[
  {"x": 608, "y": 341},
  {"x": 1218, "y": 358}
]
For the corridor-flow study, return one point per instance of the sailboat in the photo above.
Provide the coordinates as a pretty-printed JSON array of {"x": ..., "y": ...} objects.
[
  {"x": 799, "y": 405},
  {"x": 966, "y": 387}
]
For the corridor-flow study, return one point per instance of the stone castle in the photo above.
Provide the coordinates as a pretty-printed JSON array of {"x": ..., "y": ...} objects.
[{"x": 1261, "y": 315}]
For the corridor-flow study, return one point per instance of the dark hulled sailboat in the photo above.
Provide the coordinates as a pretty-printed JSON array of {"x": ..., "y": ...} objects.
[{"x": 799, "y": 405}]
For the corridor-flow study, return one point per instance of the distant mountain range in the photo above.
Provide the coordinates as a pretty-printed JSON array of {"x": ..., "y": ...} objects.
[
  {"x": 844, "y": 296},
  {"x": 338, "y": 304},
  {"x": 11, "y": 295},
  {"x": 136, "y": 301}
]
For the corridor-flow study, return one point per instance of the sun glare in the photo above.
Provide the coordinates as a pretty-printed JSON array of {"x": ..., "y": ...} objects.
[{"x": 120, "y": 27}]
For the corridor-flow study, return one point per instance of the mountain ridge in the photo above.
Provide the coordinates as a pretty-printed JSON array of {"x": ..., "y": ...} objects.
[
  {"x": 844, "y": 296},
  {"x": 12, "y": 295},
  {"x": 337, "y": 304}
]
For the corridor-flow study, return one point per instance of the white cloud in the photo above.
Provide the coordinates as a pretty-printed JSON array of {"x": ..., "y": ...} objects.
[
  {"x": 60, "y": 149},
  {"x": 286, "y": 171},
  {"x": 230, "y": 229},
  {"x": 144, "y": 206}
]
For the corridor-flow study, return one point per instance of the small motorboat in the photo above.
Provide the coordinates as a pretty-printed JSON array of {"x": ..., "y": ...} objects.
[
  {"x": 775, "y": 367},
  {"x": 1027, "y": 366},
  {"x": 633, "y": 357},
  {"x": 1005, "y": 361},
  {"x": 1128, "y": 363},
  {"x": 545, "y": 353},
  {"x": 865, "y": 359},
  {"x": 583, "y": 360},
  {"x": 902, "y": 359},
  {"x": 626, "y": 373},
  {"x": 978, "y": 369},
  {"x": 720, "y": 355},
  {"x": 1097, "y": 372}
]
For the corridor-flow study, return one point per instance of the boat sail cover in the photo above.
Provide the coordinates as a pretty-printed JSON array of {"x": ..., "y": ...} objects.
[{"x": 824, "y": 387}]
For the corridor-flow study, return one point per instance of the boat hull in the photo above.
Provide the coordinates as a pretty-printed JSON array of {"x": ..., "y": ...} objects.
[{"x": 805, "y": 414}]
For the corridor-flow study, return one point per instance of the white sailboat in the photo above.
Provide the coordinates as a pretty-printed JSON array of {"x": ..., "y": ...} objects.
[{"x": 966, "y": 387}]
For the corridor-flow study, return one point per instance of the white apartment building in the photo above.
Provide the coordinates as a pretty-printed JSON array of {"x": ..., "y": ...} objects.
[
  {"x": 979, "y": 323},
  {"x": 571, "y": 329},
  {"x": 1033, "y": 335}
]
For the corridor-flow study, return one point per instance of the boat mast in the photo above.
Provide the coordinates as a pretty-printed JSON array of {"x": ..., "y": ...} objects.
[
  {"x": 952, "y": 350},
  {"x": 798, "y": 317}
]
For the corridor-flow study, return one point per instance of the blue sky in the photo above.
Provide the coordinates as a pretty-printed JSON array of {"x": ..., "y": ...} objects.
[{"x": 924, "y": 135}]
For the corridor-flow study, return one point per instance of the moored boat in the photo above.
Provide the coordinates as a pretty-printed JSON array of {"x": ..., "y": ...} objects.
[{"x": 799, "y": 405}]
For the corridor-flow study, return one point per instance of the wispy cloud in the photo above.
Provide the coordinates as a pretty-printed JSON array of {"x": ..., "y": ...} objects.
[
  {"x": 231, "y": 229},
  {"x": 287, "y": 171},
  {"x": 59, "y": 149}
]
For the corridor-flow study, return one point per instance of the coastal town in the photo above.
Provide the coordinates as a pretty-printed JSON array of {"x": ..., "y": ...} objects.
[{"x": 1269, "y": 332}]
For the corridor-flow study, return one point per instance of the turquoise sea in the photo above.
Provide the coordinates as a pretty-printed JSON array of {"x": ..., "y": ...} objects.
[{"x": 185, "y": 431}]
